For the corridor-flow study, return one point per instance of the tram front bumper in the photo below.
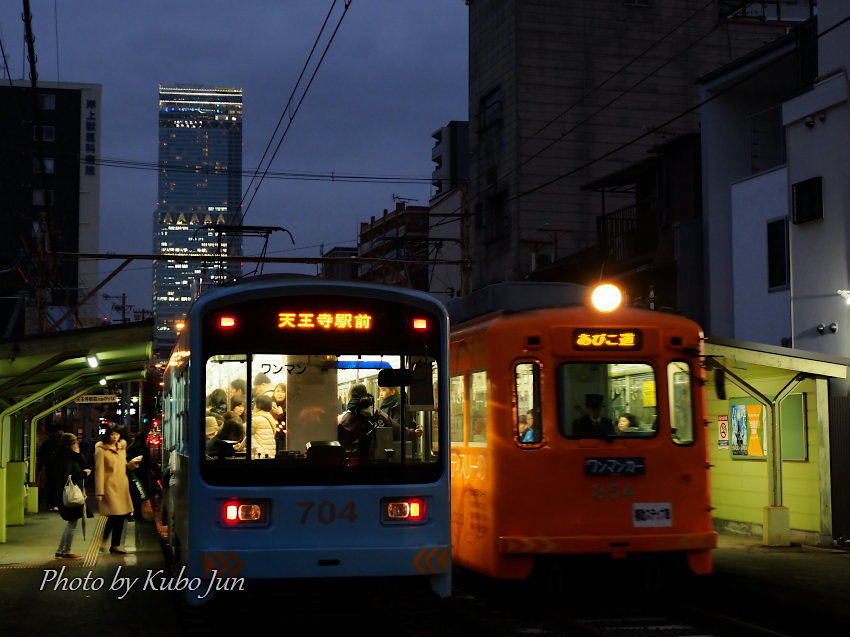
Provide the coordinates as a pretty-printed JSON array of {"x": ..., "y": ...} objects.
[
  {"x": 616, "y": 546},
  {"x": 268, "y": 563}
]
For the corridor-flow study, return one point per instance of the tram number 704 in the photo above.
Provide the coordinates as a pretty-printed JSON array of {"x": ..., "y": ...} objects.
[{"x": 326, "y": 512}]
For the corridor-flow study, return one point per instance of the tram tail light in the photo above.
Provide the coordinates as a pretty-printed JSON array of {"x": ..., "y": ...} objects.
[
  {"x": 404, "y": 510},
  {"x": 227, "y": 322},
  {"x": 239, "y": 512},
  {"x": 420, "y": 324}
]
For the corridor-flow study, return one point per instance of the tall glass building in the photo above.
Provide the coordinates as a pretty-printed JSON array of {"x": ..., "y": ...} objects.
[{"x": 200, "y": 190}]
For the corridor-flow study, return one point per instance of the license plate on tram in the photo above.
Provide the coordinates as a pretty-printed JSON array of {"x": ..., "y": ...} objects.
[{"x": 614, "y": 467}]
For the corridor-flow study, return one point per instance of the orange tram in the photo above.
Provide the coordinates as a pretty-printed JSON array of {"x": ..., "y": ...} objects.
[{"x": 575, "y": 431}]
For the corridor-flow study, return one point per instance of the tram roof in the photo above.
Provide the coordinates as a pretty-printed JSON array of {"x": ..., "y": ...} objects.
[{"x": 57, "y": 362}]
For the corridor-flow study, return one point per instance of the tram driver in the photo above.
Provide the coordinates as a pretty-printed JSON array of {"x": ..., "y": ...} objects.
[{"x": 593, "y": 424}]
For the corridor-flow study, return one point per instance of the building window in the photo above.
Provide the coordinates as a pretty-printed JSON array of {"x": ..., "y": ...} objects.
[
  {"x": 807, "y": 200},
  {"x": 47, "y": 101},
  {"x": 777, "y": 254},
  {"x": 49, "y": 165},
  {"x": 38, "y": 198},
  {"x": 45, "y": 134}
]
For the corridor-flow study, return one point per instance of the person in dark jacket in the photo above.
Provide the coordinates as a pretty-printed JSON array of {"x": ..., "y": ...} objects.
[
  {"x": 68, "y": 461},
  {"x": 45, "y": 457},
  {"x": 141, "y": 475}
]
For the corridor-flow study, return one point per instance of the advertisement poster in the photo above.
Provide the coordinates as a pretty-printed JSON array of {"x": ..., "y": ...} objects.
[
  {"x": 746, "y": 430},
  {"x": 740, "y": 436}
]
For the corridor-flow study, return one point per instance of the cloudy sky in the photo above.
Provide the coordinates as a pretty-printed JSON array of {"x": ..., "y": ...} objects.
[{"x": 395, "y": 72}]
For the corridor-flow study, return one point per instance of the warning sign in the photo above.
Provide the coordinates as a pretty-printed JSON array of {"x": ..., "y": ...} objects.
[{"x": 723, "y": 431}]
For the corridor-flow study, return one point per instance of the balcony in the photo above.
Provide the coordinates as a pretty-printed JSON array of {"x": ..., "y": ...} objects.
[{"x": 628, "y": 234}]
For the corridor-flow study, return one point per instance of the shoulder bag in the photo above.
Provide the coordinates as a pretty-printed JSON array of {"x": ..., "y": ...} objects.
[{"x": 72, "y": 495}]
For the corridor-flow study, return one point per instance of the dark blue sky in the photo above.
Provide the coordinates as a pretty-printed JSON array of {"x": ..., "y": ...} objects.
[{"x": 395, "y": 72}]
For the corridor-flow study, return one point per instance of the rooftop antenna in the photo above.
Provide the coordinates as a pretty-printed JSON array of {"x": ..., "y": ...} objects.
[{"x": 404, "y": 199}]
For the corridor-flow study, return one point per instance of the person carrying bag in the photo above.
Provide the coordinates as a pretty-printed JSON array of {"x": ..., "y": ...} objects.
[{"x": 70, "y": 467}]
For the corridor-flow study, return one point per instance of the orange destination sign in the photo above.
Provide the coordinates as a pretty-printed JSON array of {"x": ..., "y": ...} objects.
[
  {"x": 324, "y": 320},
  {"x": 607, "y": 339}
]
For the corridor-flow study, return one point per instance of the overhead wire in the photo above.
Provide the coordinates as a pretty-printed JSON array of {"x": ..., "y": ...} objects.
[
  {"x": 288, "y": 103},
  {"x": 347, "y": 5}
]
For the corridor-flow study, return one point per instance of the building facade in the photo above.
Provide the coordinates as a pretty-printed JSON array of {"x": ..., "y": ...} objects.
[
  {"x": 198, "y": 203},
  {"x": 448, "y": 227},
  {"x": 50, "y": 178},
  {"x": 562, "y": 94},
  {"x": 400, "y": 237}
]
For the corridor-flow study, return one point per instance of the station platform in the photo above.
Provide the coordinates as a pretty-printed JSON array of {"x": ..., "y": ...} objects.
[{"x": 34, "y": 544}]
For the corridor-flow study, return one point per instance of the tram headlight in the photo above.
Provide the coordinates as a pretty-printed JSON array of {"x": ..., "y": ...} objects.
[
  {"x": 404, "y": 510},
  {"x": 239, "y": 512},
  {"x": 606, "y": 297}
]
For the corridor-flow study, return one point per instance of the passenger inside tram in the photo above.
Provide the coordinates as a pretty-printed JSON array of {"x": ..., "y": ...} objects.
[{"x": 307, "y": 404}]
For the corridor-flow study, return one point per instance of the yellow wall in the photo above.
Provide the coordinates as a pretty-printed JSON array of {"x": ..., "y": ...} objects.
[{"x": 739, "y": 487}]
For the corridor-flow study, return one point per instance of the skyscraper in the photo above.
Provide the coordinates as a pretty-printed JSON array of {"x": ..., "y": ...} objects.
[{"x": 199, "y": 194}]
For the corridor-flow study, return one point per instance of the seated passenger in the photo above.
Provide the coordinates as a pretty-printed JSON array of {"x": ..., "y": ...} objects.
[
  {"x": 627, "y": 422},
  {"x": 227, "y": 441},
  {"x": 263, "y": 428},
  {"x": 527, "y": 430},
  {"x": 212, "y": 422}
]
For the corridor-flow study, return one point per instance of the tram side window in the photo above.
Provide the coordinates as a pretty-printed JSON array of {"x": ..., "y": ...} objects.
[
  {"x": 681, "y": 402},
  {"x": 528, "y": 422},
  {"x": 457, "y": 393},
  {"x": 478, "y": 407},
  {"x": 225, "y": 387}
]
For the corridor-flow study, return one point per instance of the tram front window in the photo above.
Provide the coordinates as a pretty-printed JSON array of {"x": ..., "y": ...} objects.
[
  {"x": 321, "y": 418},
  {"x": 607, "y": 400}
]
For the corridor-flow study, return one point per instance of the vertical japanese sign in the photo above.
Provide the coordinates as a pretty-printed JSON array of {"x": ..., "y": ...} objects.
[{"x": 90, "y": 113}]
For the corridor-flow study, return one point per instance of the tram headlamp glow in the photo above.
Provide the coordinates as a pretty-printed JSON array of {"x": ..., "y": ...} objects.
[
  {"x": 404, "y": 509},
  {"x": 606, "y": 297}
]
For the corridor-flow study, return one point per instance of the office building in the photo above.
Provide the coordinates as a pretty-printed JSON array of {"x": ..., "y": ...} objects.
[
  {"x": 50, "y": 179},
  {"x": 198, "y": 203}
]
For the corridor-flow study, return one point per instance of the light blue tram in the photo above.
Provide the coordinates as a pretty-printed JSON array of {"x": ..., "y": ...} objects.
[{"x": 293, "y": 493}]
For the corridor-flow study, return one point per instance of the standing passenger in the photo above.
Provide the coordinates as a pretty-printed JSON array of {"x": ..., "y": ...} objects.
[
  {"x": 263, "y": 428},
  {"x": 68, "y": 461},
  {"x": 111, "y": 485}
]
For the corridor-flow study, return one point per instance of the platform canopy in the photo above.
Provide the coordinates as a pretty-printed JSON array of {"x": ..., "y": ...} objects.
[{"x": 63, "y": 362}]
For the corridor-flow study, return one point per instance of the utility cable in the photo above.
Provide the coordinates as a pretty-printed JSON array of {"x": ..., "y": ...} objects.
[
  {"x": 288, "y": 103},
  {"x": 347, "y": 4}
]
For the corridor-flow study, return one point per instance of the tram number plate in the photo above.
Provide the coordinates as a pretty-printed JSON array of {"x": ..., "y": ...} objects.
[{"x": 614, "y": 466}]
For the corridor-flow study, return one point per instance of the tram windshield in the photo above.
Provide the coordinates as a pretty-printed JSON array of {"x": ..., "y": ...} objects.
[
  {"x": 321, "y": 418},
  {"x": 606, "y": 400}
]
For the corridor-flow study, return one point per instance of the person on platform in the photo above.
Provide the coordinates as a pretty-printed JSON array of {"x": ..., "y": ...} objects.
[
  {"x": 68, "y": 461},
  {"x": 111, "y": 485}
]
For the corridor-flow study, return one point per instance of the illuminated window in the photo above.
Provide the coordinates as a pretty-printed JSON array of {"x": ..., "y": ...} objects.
[
  {"x": 458, "y": 404},
  {"x": 478, "y": 407}
]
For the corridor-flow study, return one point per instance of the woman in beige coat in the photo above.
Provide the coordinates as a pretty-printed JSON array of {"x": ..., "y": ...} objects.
[{"x": 111, "y": 485}]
